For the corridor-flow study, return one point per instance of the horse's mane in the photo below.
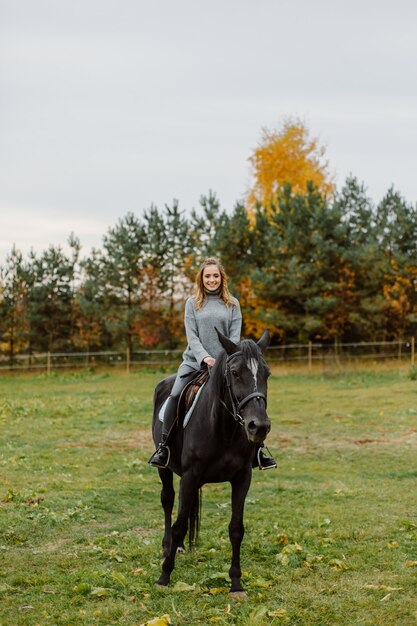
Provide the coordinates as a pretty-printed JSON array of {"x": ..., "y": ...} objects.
[{"x": 250, "y": 350}]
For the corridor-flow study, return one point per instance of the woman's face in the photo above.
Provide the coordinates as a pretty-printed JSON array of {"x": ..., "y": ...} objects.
[{"x": 211, "y": 277}]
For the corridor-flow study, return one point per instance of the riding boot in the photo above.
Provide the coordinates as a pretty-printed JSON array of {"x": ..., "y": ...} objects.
[
  {"x": 161, "y": 457},
  {"x": 263, "y": 461}
]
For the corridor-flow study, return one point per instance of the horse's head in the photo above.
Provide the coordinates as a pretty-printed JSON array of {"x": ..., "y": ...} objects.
[{"x": 246, "y": 374}]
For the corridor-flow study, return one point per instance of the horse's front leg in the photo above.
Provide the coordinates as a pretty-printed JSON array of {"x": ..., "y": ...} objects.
[
  {"x": 167, "y": 501},
  {"x": 188, "y": 490},
  {"x": 240, "y": 487}
]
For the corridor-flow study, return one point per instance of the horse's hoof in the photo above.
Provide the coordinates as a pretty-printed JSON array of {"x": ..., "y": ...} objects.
[
  {"x": 238, "y": 594},
  {"x": 162, "y": 581}
]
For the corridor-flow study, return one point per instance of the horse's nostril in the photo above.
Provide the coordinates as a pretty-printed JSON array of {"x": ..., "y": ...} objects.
[{"x": 252, "y": 426}]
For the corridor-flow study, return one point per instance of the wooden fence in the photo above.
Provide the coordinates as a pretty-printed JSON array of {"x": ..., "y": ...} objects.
[{"x": 308, "y": 353}]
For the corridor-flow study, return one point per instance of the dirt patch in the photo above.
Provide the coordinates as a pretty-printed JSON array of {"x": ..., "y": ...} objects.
[
  {"x": 310, "y": 443},
  {"x": 138, "y": 439}
]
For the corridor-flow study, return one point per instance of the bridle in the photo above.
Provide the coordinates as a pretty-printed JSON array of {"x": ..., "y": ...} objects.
[{"x": 235, "y": 403}]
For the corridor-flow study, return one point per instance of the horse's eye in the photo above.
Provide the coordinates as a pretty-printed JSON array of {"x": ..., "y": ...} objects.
[{"x": 235, "y": 373}]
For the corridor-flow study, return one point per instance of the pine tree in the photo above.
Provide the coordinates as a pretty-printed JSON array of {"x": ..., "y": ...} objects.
[
  {"x": 122, "y": 262},
  {"x": 396, "y": 224},
  {"x": 50, "y": 278},
  {"x": 13, "y": 305}
]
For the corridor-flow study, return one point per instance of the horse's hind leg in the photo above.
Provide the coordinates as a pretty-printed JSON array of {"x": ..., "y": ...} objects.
[
  {"x": 167, "y": 501},
  {"x": 240, "y": 487}
]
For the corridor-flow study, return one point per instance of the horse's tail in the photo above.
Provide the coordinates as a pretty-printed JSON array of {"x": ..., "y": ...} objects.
[{"x": 194, "y": 518}]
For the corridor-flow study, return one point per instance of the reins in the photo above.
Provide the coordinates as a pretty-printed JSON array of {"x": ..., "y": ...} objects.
[{"x": 238, "y": 404}]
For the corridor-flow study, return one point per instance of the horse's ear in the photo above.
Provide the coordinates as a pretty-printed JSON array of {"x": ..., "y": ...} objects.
[
  {"x": 227, "y": 344},
  {"x": 263, "y": 342}
]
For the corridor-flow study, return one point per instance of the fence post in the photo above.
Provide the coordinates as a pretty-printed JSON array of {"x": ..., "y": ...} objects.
[
  {"x": 127, "y": 360},
  {"x": 48, "y": 363},
  {"x": 413, "y": 345},
  {"x": 310, "y": 355},
  {"x": 336, "y": 351}
]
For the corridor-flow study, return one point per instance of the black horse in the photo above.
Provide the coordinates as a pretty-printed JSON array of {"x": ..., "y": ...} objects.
[{"x": 217, "y": 445}]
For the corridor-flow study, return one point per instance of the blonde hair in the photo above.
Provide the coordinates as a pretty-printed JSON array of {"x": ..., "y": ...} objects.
[{"x": 199, "y": 292}]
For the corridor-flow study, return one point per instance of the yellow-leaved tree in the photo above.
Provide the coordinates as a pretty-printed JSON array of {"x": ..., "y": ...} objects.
[{"x": 290, "y": 156}]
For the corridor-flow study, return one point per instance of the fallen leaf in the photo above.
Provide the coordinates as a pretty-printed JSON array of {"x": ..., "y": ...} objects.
[
  {"x": 82, "y": 588},
  {"x": 326, "y": 540},
  {"x": 215, "y": 590},
  {"x": 139, "y": 572},
  {"x": 411, "y": 563},
  {"x": 261, "y": 583},
  {"x": 393, "y": 544},
  {"x": 282, "y": 539},
  {"x": 181, "y": 586},
  {"x": 217, "y": 576},
  {"x": 113, "y": 554},
  {"x": 164, "y": 620},
  {"x": 119, "y": 578},
  {"x": 385, "y": 598},
  {"x": 338, "y": 564},
  {"x": 291, "y": 548},
  {"x": 101, "y": 592},
  {"x": 279, "y": 613}
]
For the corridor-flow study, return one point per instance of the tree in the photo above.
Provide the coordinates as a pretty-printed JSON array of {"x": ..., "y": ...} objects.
[
  {"x": 298, "y": 280},
  {"x": 50, "y": 278},
  {"x": 396, "y": 226},
  {"x": 90, "y": 307},
  {"x": 13, "y": 305},
  {"x": 365, "y": 260},
  {"x": 204, "y": 232},
  {"x": 290, "y": 156},
  {"x": 122, "y": 263},
  {"x": 166, "y": 250}
]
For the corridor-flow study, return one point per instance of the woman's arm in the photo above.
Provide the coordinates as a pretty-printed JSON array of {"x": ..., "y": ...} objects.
[
  {"x": 200, "y": 353},
  {"x": 236, "y": 324}
]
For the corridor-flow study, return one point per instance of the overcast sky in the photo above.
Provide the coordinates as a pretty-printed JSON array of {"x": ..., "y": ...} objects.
[{"x": 108, "y": 106}]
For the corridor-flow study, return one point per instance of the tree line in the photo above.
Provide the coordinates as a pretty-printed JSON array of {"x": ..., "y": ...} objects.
[{"x": 307, "y": 266}]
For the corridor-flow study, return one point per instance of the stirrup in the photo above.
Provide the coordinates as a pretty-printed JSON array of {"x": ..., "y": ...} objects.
[
  {"x": 269, "y": 461},
  {"x": 154, "y": 461}
]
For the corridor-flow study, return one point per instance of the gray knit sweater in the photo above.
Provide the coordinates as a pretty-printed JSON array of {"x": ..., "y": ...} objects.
[{"x": 200, "y": 328}]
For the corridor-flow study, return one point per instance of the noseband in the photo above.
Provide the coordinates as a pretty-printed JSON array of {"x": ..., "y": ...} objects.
[{"x": 238, "y": 404}]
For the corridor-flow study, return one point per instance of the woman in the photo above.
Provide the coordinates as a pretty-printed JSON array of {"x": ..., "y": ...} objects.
[{"x": 211, "y": 307}]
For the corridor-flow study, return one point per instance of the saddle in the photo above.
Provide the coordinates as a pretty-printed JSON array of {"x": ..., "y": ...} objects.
[
  {"x": 193, "y": 387},
  {"x": 189, "y": 395}
]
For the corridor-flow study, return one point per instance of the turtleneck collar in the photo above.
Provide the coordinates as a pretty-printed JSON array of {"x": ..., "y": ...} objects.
[{"x": 216, "y": 292}]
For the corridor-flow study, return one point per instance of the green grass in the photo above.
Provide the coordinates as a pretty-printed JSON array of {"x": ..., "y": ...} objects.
[{"x": 331, "y": 536}]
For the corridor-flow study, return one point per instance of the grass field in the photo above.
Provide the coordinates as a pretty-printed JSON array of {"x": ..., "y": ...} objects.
[{"x": 331, "y": 536}]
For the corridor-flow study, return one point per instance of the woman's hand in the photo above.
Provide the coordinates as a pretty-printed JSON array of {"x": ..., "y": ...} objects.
[{"x": 209, "y": 361}]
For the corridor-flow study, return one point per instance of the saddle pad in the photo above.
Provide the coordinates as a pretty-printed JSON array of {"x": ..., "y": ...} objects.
[{"x": 162, "y": 411}]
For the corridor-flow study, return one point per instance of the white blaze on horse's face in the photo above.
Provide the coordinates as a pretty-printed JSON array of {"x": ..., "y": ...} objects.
[{"x": 253, "y": 366}]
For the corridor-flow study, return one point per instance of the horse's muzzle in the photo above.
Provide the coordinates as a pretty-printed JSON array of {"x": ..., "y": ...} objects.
[{"x": 257, "y": 429}]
